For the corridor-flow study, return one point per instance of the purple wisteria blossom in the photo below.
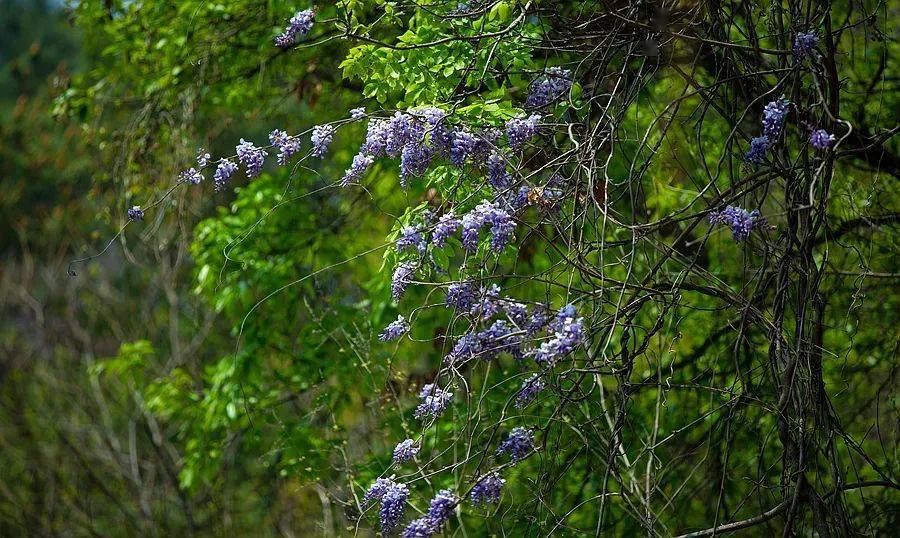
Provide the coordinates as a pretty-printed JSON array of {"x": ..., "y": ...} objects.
[
  {"x": 357, "y": 169},
  {"x": 376, "y": 137},
  {"x": 805, "y": 45},
  {"x": 774, "y": 115},
  {"x": 488, "y": 303},
  {"x": 321, "y": 138},
  {"x": 517, "y": 445},
  {"x": 377, "y": 490},
  {"x": 445, "y": 227},
  {"x": 136, "y": 213},
  {"x": 545, "y": 90},
  {"x": 202, "y": 158},
  {"x": 462, "y": 147},
  {"x": 401, "y": 279},
  {"x": 287, "y": 145},
  {"x": 520, "y": 130},
  {"x": 405, "y": 451},
  {"x": 487, "y": 490},
  {"x": 467, "y": 347},
  {"x": 568, "y": 333},
  {"x": 411, "y": 238},
  {"x": 414, "y": 160},
  {"x": 502, "y": 226},
  {"x": 298, "y": 26},
  {"x": 461, "y": 295},
  {"x": 442, "y": 506},
  {"x": 530, "y": 389},
  {"x": 251, "y": 157},
  {"x": 224, "y": 170},
  {"x": 497, "y": 175},
  {"x": 395, "y": 329},
  {"x": 393, "y": 506},
  {"x": 757, "y": 152},
  {"x": 358, "y": 113},
  {"x": 423, "y": 527},
  {"x": 741, "y": 221},
  {"x": 821, "y": 139},
  {"x": 191, "y": 175},
  {"x": 434, "y": 401}
]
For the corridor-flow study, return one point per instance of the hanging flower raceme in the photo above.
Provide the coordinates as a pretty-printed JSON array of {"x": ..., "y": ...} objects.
[
  {"x": 287, "y": 145},
  {"x": 529, "y": 391},
  {"x": 411, "y": 238},
  {"x": 357, "y": 169},
  {"x": 521, "y": 129},
  {"x": 393, "y": 498},
  {"x": 821, "y": 139},
  {"x": 741, "y": 221},
  {"x": 405, "y": 451},
  {"x": 757, "y": 152},
  {"x": 805, "y": 45},
  {"x": 445, "y": 227},
  {"x": 434, "y": 401},
  {"x": 321, "y": 138},
  {"x": 497, "y": 175},
  {"x": 567, "y": 335},
  {"x": 251, "y": 157},
  {"x": 487, "y": 490},
  {"x": 202, "y": 158},
  {"x": 774, "y": 115},
  {"x": 461, "y": 295},
  {"x": 438, "y": 514},
  {"x": 358, "y": 113},
  {"x": 224, "y": 170},
  {"x": 395, "y": 329},
  {"x": 518, "y": 444},
  {"x": 401, "y": 279},
  {"x": 545, "y": 90},
  {"x": 298, "y": 26},
  {"x": 191, "y": 175}
]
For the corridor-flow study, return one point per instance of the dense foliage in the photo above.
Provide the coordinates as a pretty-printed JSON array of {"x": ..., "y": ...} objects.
[{"x": 492, "y": 267}]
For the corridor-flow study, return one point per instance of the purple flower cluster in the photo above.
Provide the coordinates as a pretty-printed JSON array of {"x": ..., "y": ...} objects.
[
  {"x": 805, "y": 45},
  {"x": 445, "y": 227},
  {"x": 545, "y": 90},
  {"x": 321, "y": 139},
  {"x": 567, "y": 335},
  {"x": 434, "y": 401},
  {"x": 821, "y": 139},
  {"x": 395, "y": 329},
  {"x": 287, "y": 145},
  {"x": 497, "y": 175},
  {"x": 191, "y": 175},
  {"x": 251, "y": 157},
  {"x": 202, "y": 158},
  {"x": 462, "y": 147},
  {"x": 530, "y": 389},
  {"x": 358, "y": 113},
  {"x": 401, "y": 279},
  {"x": 224, "y": 170},
  {"x": 136, "y": 213},
  {"x": 412, "y": 238},
  {"x": 741, "y": 221},
  {"x": 520, "y": 130},
  {"x": 757, "y": 152},
  {"x": 487, "y": 490},
  {"x": 357, "y": 169},
  {"x": 405, "y": 451},
  {"x": 298, "y": 26},
  {"x": 774, "y": 115},
  {"x": 518, "y": 444},
  {"x": 439, "y": 512},
  {"x": 393, "y": 498},
  {"x": 487, "y": 213},
  {"x": 461, "y": 295}
]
